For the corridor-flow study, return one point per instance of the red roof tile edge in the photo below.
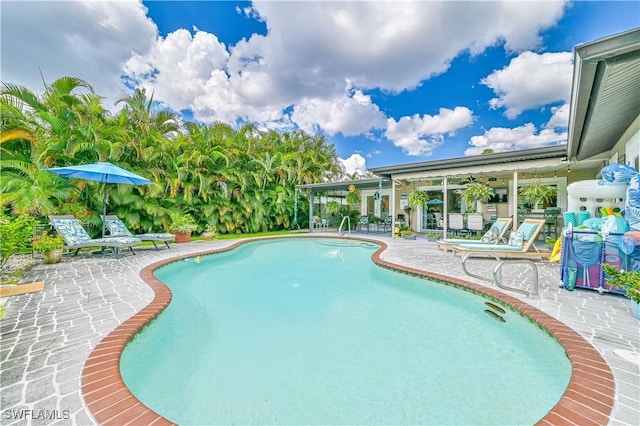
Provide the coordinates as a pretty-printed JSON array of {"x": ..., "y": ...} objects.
[{"x": 111, "y": 402}]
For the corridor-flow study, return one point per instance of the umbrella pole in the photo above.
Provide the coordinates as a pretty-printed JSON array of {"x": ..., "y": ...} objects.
[{"x": 104, "y": 210}]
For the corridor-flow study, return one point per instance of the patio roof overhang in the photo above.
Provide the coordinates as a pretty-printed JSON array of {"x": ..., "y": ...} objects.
[
  {"x": 605, "y": 94},
  {"x": 344, "y": 185},
  {"x": 539, "y": 160}
]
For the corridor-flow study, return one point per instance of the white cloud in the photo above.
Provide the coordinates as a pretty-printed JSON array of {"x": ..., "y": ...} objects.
[
  {"x": 349, "y": 115},
  {"x": 390, "y": 45},
  {"x": 501, "y": 139},
  {"x": 307, "y": 65},
  {"x": 531, "y": 80},
  {"x": 418, "y": 135},
  {"x": 90, "y": 40},
  {"x": 560, "y": 117},
  {"x": 354, "y": 164},
  {"x": 312, "y": 51}
]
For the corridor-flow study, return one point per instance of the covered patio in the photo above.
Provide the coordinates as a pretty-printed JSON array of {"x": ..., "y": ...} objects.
[
  {"x": 375, "y": 195},
  {"x": 505, "y": 173}
]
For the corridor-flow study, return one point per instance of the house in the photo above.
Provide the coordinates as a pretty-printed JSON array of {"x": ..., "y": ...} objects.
[{"x": 604, "y": 128}]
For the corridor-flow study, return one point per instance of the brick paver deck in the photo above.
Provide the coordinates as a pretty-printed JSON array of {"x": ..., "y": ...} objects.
[{"x": 47, "y": 338}]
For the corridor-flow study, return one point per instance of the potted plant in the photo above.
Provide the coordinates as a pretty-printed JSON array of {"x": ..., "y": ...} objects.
[
  {"x": 476, "y": 192},
  {"x": 332, "y": 208},
  {"x": 407, "y": 233},
  {"x": 432, "y": 236},
  {"x": 210, "y": 231},
  {"x": 629, "y": 281},
  {"x": 50, "y": 246},
  {"x": 538, "y": 193},
  {"x": 353, "y": 198},
  {"x": 417, "y": 198},
  {"x": 182, "y": 225}
]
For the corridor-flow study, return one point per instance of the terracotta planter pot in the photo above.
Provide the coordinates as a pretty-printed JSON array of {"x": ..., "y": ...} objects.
[
  {"x": 182, "y": 237},
  {"x": 53, "y": 256}
]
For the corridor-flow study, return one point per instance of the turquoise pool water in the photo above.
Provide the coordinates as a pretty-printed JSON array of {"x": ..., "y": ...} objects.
[{"x": 306, "y": 331}]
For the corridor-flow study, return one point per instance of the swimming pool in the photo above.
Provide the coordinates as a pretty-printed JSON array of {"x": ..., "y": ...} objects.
[{"x": 311, "y": 331}]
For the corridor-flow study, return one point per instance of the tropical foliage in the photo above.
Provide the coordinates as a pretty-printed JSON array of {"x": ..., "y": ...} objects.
[
  {"x": 235, "y": 179},
  {"x": 476, "y": 191},
  {"x": 538, "y": 193},
  {"x": 418, "y": 198},
  {"x": 46, "y": 243}
]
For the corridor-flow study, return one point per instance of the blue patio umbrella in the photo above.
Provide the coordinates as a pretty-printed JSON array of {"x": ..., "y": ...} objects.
[{"x": 104, "y": 173}]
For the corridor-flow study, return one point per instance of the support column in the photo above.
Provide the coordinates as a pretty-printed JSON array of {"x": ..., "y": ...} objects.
[
  {"x": 311, "y": 195},
  {"x": 445, "y": 207},
  {"x": 514, "y": 204},
  {"x": 392, "y": 206}
]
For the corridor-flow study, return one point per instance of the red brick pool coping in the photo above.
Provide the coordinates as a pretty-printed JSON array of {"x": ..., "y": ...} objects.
[{"x": 588, "y": 399}]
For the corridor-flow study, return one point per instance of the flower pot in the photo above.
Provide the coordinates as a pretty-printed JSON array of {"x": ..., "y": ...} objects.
[
  {"x": 53, "y": 256},
  {"x": 182, "y": 237}
]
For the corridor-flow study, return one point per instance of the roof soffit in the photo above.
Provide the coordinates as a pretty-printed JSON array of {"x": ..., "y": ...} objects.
[{"x": 605, "y": 95}]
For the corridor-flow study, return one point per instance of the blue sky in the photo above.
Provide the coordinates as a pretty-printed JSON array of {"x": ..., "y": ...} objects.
[{"x": 386, "y": 82}]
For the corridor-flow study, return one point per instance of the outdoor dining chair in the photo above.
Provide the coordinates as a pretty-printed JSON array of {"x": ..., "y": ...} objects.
[
  {"x": 475, "y": 223},
  {"x": 363, "y": 222},
  {"x": 456, "y": 223}
]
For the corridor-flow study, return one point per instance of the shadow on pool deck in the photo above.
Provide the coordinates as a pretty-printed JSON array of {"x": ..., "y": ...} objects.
[{"x": 47, "y": 337}]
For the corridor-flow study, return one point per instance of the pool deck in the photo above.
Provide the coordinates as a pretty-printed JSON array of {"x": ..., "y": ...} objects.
[{"x": 46, "y": 337}]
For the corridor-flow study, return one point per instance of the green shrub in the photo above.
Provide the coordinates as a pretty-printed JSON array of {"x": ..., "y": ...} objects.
[
  {"x": 15, "y": 235},
  {"x": 46, "y": 243},
  {"x": 183, "y": 223},
  {"x": 627, "y": 280}
]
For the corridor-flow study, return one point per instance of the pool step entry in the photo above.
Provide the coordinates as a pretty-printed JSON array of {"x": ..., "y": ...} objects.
[
  {"x": 497, "y": 272},
  {"x": 495, "y": 311}
]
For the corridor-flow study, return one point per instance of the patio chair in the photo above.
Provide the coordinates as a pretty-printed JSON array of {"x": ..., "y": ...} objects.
[
  {"x": 319, "y": 223},
  {"x": 475, "y": 223},
  {"x": 495, "y": 235},
  {"x": 456, "y": 223},
  {"x": 117, "y": 228},
  {"x": 76, "y": 237},
  {"x": 363, "y": 222},
  {"x": 386, "y": 223},
  {"x": 519, "y": 246}
]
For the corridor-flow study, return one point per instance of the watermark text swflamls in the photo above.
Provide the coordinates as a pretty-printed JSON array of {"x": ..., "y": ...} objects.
[{"x": 27, "y": 414}]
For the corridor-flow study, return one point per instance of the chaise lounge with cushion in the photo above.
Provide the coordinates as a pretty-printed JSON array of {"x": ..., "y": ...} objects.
[
  {"x": 76, "y": 237},
  {"x": 519, "y": 246},
  {"x": 493, "y": 236},
  {"x": 117, "y": 228}
]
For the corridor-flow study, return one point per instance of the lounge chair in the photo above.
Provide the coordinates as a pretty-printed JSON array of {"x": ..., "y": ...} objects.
[
  {"x": 495, "y": 235},
  {"x": 520, "y": 243},
  {"x": 76, "y": 237},
  {"x": 117, "y": 228}
]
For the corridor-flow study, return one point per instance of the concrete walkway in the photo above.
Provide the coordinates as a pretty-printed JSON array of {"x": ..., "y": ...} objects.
[{"x": 46, "y": 337}]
